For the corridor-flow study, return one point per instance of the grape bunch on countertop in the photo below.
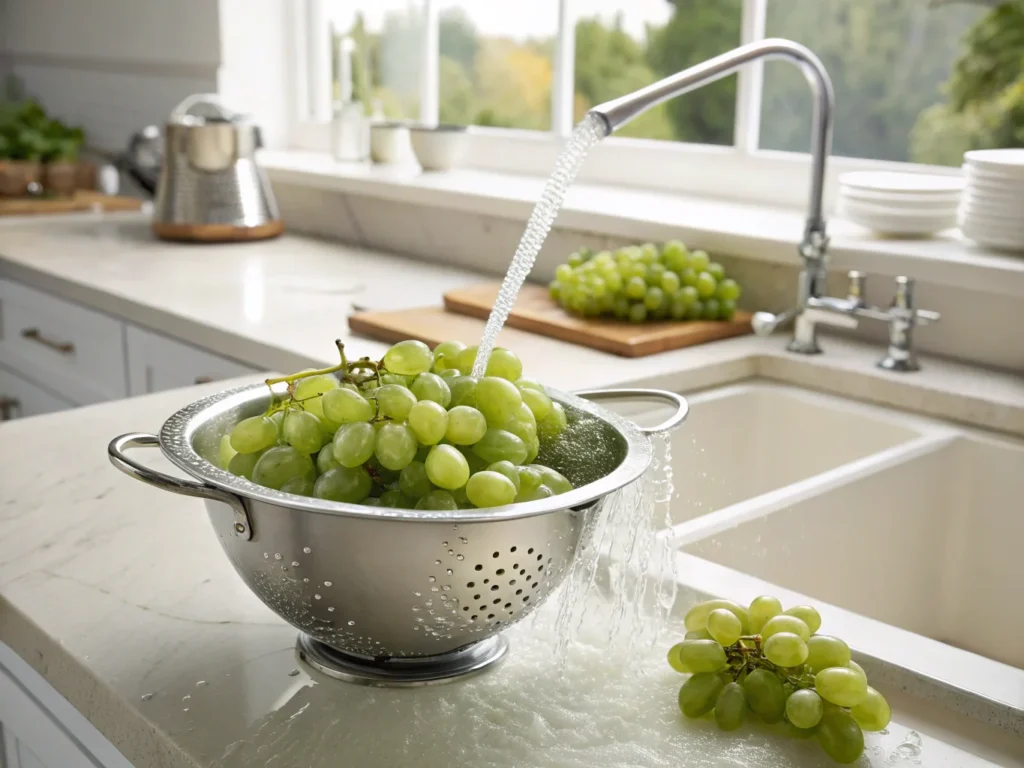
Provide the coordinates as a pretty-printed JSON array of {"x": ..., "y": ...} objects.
[
  {"x": 774, "y": 664},
  {"x": 412, "y": 430},
  {"x": 644, "y": 282}
]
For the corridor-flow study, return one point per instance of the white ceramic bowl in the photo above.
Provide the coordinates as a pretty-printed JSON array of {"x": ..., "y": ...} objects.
[
  {"x": 438, "y": 148},
  {"x": 389, "y": 142},
  {"x": 1004, "y": 162},
  {"x": 906, "y": 202}
]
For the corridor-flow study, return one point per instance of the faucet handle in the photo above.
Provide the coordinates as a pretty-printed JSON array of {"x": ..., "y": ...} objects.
[
  {"x": 904, "y": 300},
  {"x": 858, "y": 287},
  {"x": 765, "y": 323}
]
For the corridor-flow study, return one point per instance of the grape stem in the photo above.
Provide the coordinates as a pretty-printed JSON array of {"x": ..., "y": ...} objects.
[
  {"x": 292, "y": 378},
  {"x": 746, "y": 655}
]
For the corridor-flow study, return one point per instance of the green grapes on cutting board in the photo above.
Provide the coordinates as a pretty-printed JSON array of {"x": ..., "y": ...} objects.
[
  {"x": 646, "y": 282},
  {"x": 410, "y": 430},
  {"x": 762, "y": 661}
]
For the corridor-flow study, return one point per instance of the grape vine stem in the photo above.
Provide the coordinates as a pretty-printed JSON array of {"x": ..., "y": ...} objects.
[{"x": 292, "y": 378}]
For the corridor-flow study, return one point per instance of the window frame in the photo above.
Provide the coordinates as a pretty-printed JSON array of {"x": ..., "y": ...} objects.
[{"x": 768, "y": 176}]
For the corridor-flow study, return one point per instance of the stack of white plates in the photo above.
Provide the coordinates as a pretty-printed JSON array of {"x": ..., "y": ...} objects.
[
  {"x": 992, "y": 211},
  {"x": 896, "y": 203}
]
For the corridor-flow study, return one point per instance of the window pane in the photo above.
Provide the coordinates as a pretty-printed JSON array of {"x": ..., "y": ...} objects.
[
  {"x": 892, "y": 64},
  {"x": 624, "y": 46},
  {"x": 389, "y": 42},
  {"x": 496, "y": 62}
]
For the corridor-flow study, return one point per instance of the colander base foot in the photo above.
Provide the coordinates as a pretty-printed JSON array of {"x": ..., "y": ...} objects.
[{"x": 402, "y": 672}]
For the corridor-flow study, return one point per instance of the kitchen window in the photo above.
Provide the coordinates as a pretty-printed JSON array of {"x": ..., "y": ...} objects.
[{"x": 523, "y": 73}]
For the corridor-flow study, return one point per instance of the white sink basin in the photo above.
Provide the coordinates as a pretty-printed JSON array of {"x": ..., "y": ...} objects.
[
  {"x": 743, "y": 441},
  {"x": 931, "y": 544}
]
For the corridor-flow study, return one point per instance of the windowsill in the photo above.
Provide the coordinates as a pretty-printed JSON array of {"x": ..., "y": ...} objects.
[{"x": 741, "y": 229}]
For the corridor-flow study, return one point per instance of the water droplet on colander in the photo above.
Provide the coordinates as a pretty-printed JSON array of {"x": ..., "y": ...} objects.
[
  {"x": 463, "y": 539},
  {"x": 449, "y": 571},
  {"x": 186, "y": 697},
  {"x": 293, "y": 673},
  {"x": 331, "y": 609},
  {"x": 185, "y": 709},
  {"x": 444, "y": 543},
  {"x": 351, "y": 623},
  {"x": 201, "y": 684},
  {"x": 266, "y": 555},
  {"x": 451, "y": 551},
  {"x": 431, "y": 579},
  {"x": 328, "y": 583},
  {"x": 437, "y": 562},
  {"x": 295, "y": 563},
  {"x": 316, "y": 597},
  {"x": 277, "y": 555},
  {"x": 418, "y": 594},
  {"x": 147, "y": 696},
  {"x": 305, "y": 581},
  {"x": 446, "y": 587},
  {"x": 459, "y": 557},
  {"x": 307, "y": 550}
]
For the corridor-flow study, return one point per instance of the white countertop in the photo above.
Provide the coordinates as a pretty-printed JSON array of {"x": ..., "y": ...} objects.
[{"x": 114, "y": 591}]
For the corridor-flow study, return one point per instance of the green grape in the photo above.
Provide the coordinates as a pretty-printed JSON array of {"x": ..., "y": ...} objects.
[
  {"x": 504, "y": 364},
  {"x": 538, "y": 402},
  {"x": 731, "y": 707},
  {"x": 706, "y": 285},
  {"x": 242, "y": 464},
  {"x": 465, "y": 359},
  {"x": 873, "y": 713},
  {"x": 784, "y": 623},
  {"x": 490, "y": 489},
  {"x": 785, "y": 649},
  {"x": 688, "y": 277},
  {"x": 699, "y": 693},
  {"x": 311, "y": 386},
  {"x": 649, "y": 253},
  {"x": 343, "y": 406},
  {"x": 728, "y": 290},
  {"x": 555, "y": 290},
  {"x": 553, "y": 479},
  {"x": 637, "y": 313},
  {"x": 325, "y": 459},
  {"x": 695, "y": 311},
  {"x": 675, "y": 255},
  {"x": 726, "y": 309},
  {"x": 446, "y": 467},
  {"x": 716, "y": 270},
  {"x": 804, "y": 708},
  {"x": 430, "y": 386},
  {"x": 226, "y": 452},
  {"x": 697, "y": 616},
  {"x": 394, "y": 378},
  {"x": 761, "y": 609},
  {"x": 702, "y": 655},
  {"x": 408, "y": 358},
  {"x": 394, "y": 401},
  {"x": 347, "y": 484},
  {"x": 614, "y": 281},
  {"x": 529, "y": 478},
  {"x": 724, "y": 627},
  {"x": 689, "y": 295},
  {"x": 597, "y": 287},
  {"x": 413, "y": 480},
  {"x": 677, "y": 663},
  {"x": 396, "y": 500},
  {"x": 841, "y": 686},
  {"x": 429, "y": 421},
  {"x": 476, "y": 464},
  {"x": 711, "y": 310},
  {"x": 253, "y": 434},
  {"x": 858, "y": 669},
  {"x": 670, "y": 282},
  {"x": 765, "y": 694},
  {"x": 526, "y": 382},
  {"x": 677, "y": 309},
  {"x": 536, "y": 494},
  {"x": 807, "y": 614},
  {"x": 449, "y": 375},
  {"x": 465, "y": 425},
  {"x": 302, "y": 431},
  {"x": 840, "y": 736},
  {"x": 353, "y": 444},
  {"x": 563, "y": 273},
  {"x": 380, "y": 473},
  {"x": 278, "y": 418},
  {"x": 620, "y": 307},
  {"x": 552, "y": 425},
  {"x": 523, "y": 425},
  {"x": 575, "y": 259},
  {"x": 396, "y": 446},
  {"x": 699, "y": 261},
  {"x": 445, "y": 354},
  {"x": 825, "y": 651},
  {"x": 698, "y": 634},
  {"x": 509, "y": 470},
  {"x": 463, "y": 389},
  {"x": 500, "y": 445},
  {"x": 497, "y": 399},
  {"x": 636, "y": 287},
  {"x": 280, "y": 464},
  {"x": 437, "y": 500},
  {"x": 653, "y": 298},
  {"x": 300, "y": 486}
]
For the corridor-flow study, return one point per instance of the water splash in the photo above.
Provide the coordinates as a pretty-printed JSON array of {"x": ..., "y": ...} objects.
[
  {"x": 909, "y": 749},
  {"x": 585, "y": 135}
]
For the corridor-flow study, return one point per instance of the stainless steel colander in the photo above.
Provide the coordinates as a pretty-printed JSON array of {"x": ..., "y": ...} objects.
[{"x": 393, "y": 595}]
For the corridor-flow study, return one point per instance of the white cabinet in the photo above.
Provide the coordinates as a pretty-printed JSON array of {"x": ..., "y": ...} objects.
[
  {"x": 20, "y": 398},
  {"x": 156, "y": 363}
]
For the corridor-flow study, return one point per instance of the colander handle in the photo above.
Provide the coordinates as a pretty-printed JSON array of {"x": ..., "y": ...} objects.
[
  {"x": 677, "y": 418},
  {"x": 132, "y": 468}
]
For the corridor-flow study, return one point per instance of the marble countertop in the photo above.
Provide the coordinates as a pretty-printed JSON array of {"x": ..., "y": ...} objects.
[{"x": 119, "y": 594}]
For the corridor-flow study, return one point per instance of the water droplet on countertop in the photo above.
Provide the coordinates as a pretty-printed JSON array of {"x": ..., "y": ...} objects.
[
  {"x": 277, "y": 555},
  {"x": 147, "y": 696},
  {"x": 351, "y": 623},
  {"x": 316, "y": 597},
  {"x": 186, "y": 697},
  {"x": 328, "y": 583},
  {"x": 185, "y": 709},
  {"x": 293, "y": 673},
  {"x": 295, "y": 563},
  {"x": 201, "y": 684},
  {"x": 307, "y": 550}
]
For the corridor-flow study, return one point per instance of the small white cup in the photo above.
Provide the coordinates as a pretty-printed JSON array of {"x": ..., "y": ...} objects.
[
  {"x": 389, "y": 142},
  {"x": 440, "y": 147}
]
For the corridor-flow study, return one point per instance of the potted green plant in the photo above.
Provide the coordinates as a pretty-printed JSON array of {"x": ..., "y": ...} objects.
[
  {"x": 61, "y": 171},
  {"x": 23, "y": 148}
]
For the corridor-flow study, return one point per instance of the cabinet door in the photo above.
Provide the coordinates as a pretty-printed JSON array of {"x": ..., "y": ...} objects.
[
  {"x": 20, "y": 398},
  {"x": 156, "y": 363}
]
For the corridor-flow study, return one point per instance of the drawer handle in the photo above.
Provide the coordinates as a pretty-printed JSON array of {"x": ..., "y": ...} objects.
[
  {"x": 204, "y": 379},
  {"x": 8, "y": 405},
  {"x": 34, "y": 334}
]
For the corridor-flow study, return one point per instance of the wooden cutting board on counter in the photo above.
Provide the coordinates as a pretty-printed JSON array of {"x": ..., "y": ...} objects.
[
  {"x": 536, "y": 312},
  {"x": 82, "y": 200}
]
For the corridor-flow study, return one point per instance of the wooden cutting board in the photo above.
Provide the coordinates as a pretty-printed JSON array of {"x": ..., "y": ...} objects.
[
  {"x": 82, "y": 200},
  {"x": 535, "y": 311}
]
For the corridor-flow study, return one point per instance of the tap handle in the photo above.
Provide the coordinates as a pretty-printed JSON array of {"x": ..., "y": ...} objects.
[
  {"x": 858, "y": 286},
  {"x": 904, "y": 298},
  {"x": 765, "y": 323}
]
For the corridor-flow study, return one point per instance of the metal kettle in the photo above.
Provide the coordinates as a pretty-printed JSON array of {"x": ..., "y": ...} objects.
[{"x": 209, "y": 186}]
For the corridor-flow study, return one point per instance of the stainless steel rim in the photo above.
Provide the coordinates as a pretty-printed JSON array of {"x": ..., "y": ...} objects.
[
  {"x": 403, "y": 672},
  {"x": 176, "y": 443}
]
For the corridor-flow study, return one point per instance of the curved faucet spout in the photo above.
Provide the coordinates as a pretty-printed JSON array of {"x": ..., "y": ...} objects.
[{"x": 620, "y": 111}]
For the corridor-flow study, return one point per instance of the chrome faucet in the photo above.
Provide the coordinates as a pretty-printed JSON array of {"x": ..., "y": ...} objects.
[{"x": 813, "y": 306}]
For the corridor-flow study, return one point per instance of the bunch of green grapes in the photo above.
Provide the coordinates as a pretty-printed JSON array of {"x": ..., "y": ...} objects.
[
  {"x": 774, "y": 663},
  {"x": 414, "y": 430},
  {"x": 644, "y": 282}
]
